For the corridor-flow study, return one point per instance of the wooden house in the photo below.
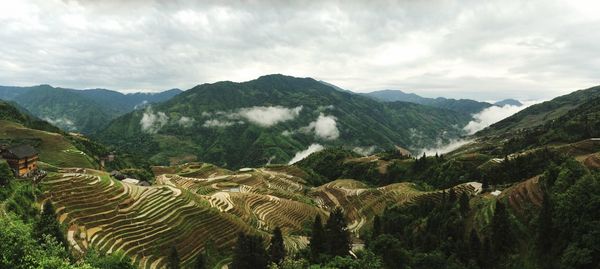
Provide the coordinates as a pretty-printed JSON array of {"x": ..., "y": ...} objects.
[{"x": 22, "y": 160}]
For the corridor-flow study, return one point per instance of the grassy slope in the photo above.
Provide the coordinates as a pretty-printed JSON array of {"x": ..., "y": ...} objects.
[{"x": 54, "y": 148}]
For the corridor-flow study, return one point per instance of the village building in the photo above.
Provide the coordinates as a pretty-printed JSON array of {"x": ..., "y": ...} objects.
[{"x": 22, "y": 159}]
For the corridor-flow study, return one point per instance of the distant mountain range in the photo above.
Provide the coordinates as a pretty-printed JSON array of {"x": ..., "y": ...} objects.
[
  {"x": 272, "y": 118},
  {"x": 508, "y": 102},
  {"x": 82, "y": 111},
  {"x": 460, "y": 105}
]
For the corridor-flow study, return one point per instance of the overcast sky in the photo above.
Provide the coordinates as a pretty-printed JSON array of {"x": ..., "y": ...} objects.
[{"x": 478, "y": 49}]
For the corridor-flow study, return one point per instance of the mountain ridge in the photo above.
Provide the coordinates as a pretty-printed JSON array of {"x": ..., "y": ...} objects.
[{"x": 460, "y": 105}]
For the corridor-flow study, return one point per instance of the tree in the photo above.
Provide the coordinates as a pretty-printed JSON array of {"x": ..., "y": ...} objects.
[
  {"x": 249, "y": 253},
  {"x": 317, "y": 239},
  {"x": 277, "y": 248},
  {"x": 376, "y": 227},
  {"x": 47, "y": 224},
  {"x": 337, "y": 234},
  {"x": 5, "y": 173},
  {"x": 451, "y": 196},
  {"x": 485, "y": 185},
  {"x": 501, "y": 233},
  {"x": 115, "y": 260},
  {"x": 486, "y": 258},
  {"x": 390, "y": 250},
  {"x": 173, "y": 259},
  {"x": 200, "y": 262},
  {"x": 464, "y": 204},
  {"x": 474, "y": 245},
  {"x": 545, "y": 232}
]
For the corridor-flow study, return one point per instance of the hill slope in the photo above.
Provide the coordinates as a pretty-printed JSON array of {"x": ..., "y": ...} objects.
[
  {"x": 542, "y": 113},
  {"x": 462, "y": 105},
  {"x": 79, "y": 110},
  {"x": 272, "y": 118},
  {"x": 55, "y": 148}
]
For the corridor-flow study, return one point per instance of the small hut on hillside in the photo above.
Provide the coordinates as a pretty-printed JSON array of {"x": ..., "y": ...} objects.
[{"x": 22, "y": 159}]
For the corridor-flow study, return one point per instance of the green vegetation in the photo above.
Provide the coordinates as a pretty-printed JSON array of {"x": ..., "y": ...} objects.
[
  {"x": 463, "y": 105},
  {"x": 83, "y": 111},
  {"x": 233, "y": 141},
  {"x": 249, "y": 253},
  {"x": 277, "y": 248}
]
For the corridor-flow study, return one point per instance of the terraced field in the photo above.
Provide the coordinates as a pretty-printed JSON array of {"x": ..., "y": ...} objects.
[
  {"x": 144, "y": 222},
  {"x": 192, "y": 205}
]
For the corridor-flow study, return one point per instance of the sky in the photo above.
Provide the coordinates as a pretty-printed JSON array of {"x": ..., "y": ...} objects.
[{"x": 484, "y": 50}]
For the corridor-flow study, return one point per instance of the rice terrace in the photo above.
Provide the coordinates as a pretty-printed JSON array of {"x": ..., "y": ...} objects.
[{"x": 454, "y": 134}]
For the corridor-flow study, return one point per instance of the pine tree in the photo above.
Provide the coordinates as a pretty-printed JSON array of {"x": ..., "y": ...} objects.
[
  {"x": 501, "y": 232},
  {"x": 337, "y": 234},
  {"x": 200, "y": 262},
  {"x": 376, "y": 227},
  {"x": 5, "y": 173},
  {"x": 47, "y": 224},
  {"x": 487, "y": 259},
  {"x": 451, "y": 196},
  {"x": 277, "y": 248},
  {"x": 317, "y": 239},
  {"x": 173, "y": 259},
  {"x": 464, "y": 204},
  {"x": 545, "y": 233},
  {"x": 485, "y": 184},
  {"x": 249, "y": 253},
  {"x": 474, "y": 245}
]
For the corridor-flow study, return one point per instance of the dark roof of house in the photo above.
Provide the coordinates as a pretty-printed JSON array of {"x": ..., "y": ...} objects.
[{"x": 21, "y": 151}]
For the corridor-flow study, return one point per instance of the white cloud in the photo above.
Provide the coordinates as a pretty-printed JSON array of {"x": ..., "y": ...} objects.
[
  {"x": 492, "y": 115},
  {"x": 303, "y": 154},
  {"x": 217, "y": 123},
  {"x": 324, "y": 127},
  {"x": 264, "y": 116},
  {"x": 267, "y": 116},
  {"x": 364, "y": 151},
  {"x": 468, "y": 48},
  {"x": 442, "y": 148},
  {"x": 186, "y": 121},
  {"x": 152, "y": 122},
  {"x": 63, "y": 123}
]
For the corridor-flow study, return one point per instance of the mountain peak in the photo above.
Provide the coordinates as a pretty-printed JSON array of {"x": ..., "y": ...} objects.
[{"x": 508, "y": 102}]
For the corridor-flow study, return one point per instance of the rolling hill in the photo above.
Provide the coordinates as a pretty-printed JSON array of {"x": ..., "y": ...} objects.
[
  {"x": 192, "y": 211},
  {"x": 542, "y": 113},
  {"x": 272, "y": 118},
  {"x": 56, "y": 148},
  {"x": 462, "y": 105},
  {"x": 79, "y": 110}
]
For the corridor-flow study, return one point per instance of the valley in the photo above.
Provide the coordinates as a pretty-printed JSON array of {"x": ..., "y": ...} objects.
[{"x": 388, "y": 197}]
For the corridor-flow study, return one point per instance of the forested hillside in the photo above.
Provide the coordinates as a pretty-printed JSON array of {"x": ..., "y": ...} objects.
[
  {"x": 271, "y": 119},
  {"x": 82, "y": 111},
  {"x": 462, "y": 105}
]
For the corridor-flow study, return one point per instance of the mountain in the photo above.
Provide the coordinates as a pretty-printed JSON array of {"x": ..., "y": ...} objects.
[
  {"x": 272, "y": 118},
  {"x": 462, "y": 105},
  {"x": 508, "y": 102},
  {"x": 56, "y": 148},
  {"x": 542, "y": 113},
  {"x": 79, "y": 110}
]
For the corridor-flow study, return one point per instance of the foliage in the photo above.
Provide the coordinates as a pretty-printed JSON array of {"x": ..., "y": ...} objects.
[
  {"x": 249, "y": 253},
  {"x": 317, "y": 239},
  {"x": 173, "y": 259},
  {"x": 115, "y": 260},
  {"x": 6, "y": 173},
  {"x": 78, "y": 110},
  {"x": 47, "y": 225},
  {"x": 277, "y": 248},
  {"x": 337, "y": 235},
  {"x": 360, "y": 120}
]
